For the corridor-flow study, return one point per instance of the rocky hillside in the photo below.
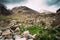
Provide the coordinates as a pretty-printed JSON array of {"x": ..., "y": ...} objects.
[
  {"x": 28, "y": 17},
  {"x": 11, "y": 22},
  {"x": 3, "y": 10}
]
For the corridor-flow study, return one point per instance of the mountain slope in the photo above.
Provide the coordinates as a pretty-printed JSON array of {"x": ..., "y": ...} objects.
[
  {"x": 4, "y": 10},
  {"x": 28, "y": 17}
]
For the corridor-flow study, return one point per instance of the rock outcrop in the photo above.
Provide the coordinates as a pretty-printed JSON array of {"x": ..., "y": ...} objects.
[{"x": 4, "y": 10}]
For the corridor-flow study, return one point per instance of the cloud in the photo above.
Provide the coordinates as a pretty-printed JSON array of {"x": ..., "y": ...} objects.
[
  {"x": 41, "y": 5},
  {"x": 38, "y": 5},
  {"x": 11, "y": 1},
  {"x": 53, "y": 2}
]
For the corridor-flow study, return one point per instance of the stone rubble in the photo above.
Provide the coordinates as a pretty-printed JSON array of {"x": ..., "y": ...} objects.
[{"x": 13, "y": 33}]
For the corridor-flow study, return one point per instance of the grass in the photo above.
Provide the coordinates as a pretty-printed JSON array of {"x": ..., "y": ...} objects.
[
  {"x": 32, "y": 29},
  {"x": 42, "y": 34},
  {"x": 5, "y": 17}
]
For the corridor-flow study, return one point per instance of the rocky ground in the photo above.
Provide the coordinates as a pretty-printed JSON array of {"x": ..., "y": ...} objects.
[
  {"x": 13, "y": 32},
  {"x": 12, "y": 20}
]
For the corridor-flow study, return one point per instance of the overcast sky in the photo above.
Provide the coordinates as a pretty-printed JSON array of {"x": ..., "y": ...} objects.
[{"x": 38, "y": 5}]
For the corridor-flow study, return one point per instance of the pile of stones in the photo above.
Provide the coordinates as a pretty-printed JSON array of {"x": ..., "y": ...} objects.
[{"x": 12, "y": 32}]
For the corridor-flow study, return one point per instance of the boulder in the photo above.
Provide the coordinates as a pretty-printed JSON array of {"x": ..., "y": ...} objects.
[
  {"x": 6, "y": 32},
  {"x": 27, "y": 35}
]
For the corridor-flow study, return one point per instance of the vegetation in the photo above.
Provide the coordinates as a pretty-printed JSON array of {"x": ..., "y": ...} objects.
[
  {"x": 42, "y": 34},
  {"x": 5, "y": 17}
]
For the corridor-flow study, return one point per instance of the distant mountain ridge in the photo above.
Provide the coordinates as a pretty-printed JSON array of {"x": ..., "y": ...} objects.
[{"x": 24, "y": 9}]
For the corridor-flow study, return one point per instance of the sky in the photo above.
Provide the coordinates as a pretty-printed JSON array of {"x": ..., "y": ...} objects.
[{"x": 38, "y": 5}]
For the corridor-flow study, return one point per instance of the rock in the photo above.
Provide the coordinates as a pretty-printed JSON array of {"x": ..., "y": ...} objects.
[
  {"x": 6, "y": 32},
  {"x": 8, "y": 39},
  {"x": 0, "y": 32},
  {"x": 13, "y": 28},
  {"x": 17, "y": 30},
  {"x": 27, "y": 35},
  {"x": 20, "y": 39},
  {"x": 0, "y": 37},
  {"x": 30, "y": 39},
  {"x": 23, "y": 39},
  {"x": 17, "y": 37},
  {"x": 12, "y": 23}
]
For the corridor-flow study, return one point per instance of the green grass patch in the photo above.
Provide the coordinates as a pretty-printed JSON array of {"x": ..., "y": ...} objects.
[{"x": 32, "y": 29}]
